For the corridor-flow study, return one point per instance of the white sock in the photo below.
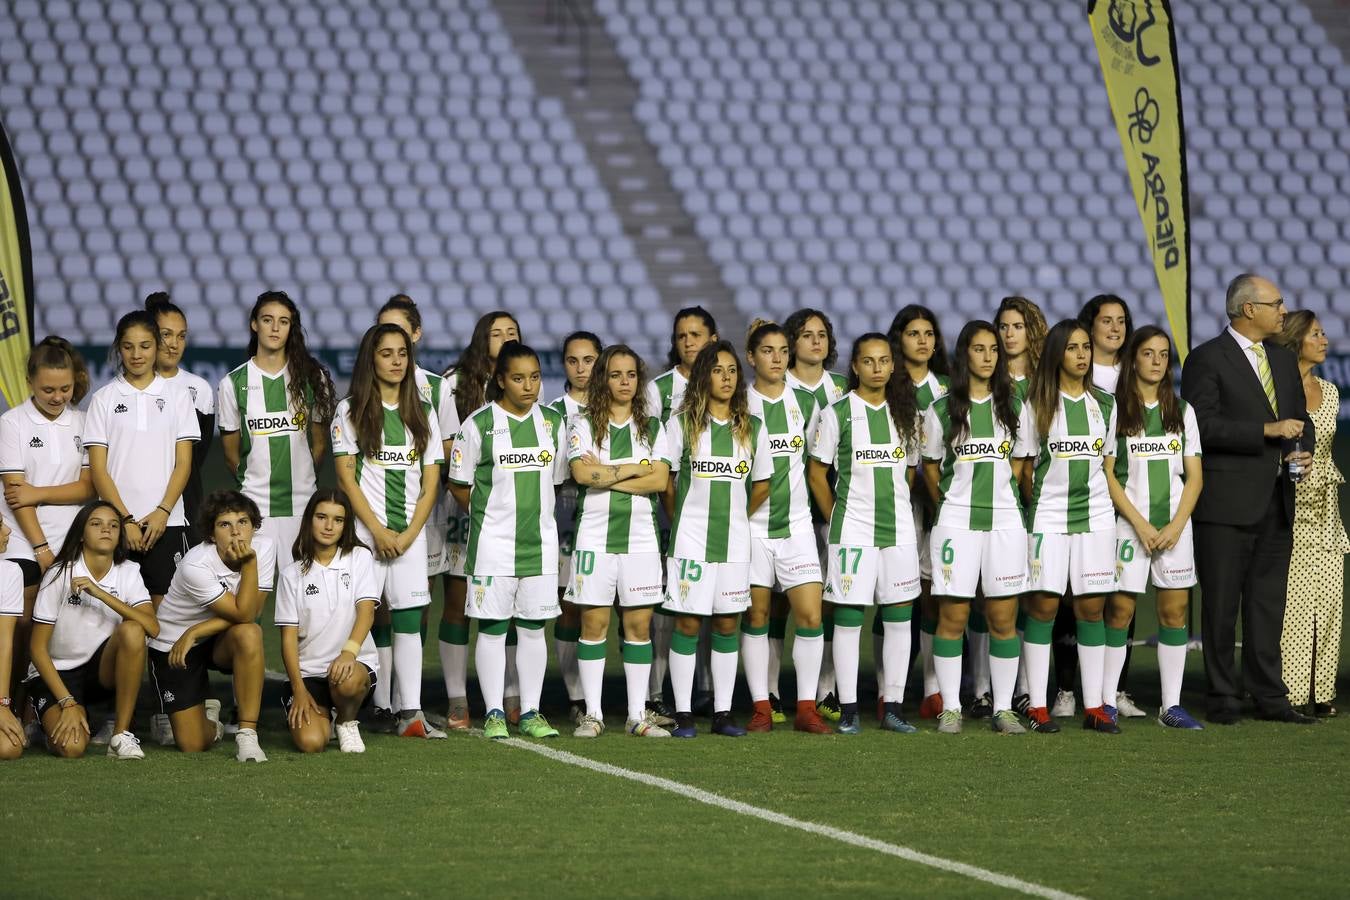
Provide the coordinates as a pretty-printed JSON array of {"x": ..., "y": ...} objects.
[
  {"x": 806, "y": 653},
  {"x": 775, "y": 665},
  {"x": 947, "y": 671},
  {"x": 531, "y": 664},
  {"x": 895, "y": 651},
  {"x": 512, "y": 683},
  {"x": 1113, "y": 663},
  {"x": 591, "y": 674},
  {"x": 846, "y": 640},
  {"x": 635, "y": 676},
  {"x": 1036, "y": 670},
  {"x": 826, "y": 683},
  {"x": 1171, "y": 668},
  {"x": 755, "y": 651},
  {"x": 930, "y": 678},
  {"x": 489, "y": 659},
  {"x": 661, "y": 629},
  {"x": 454, "y": 668},
  {"x": 384, "y": 685},
  {"x": 1091, "y": 661},
  {"x": 979, "y": 661},
  {"x": 682, "y": 667},
  {"x": 1002, "y": 676},
  {"x": 566, "y": 651},
  {"x": 723, "y": 666},
  {"x": 408, "y": 671}
]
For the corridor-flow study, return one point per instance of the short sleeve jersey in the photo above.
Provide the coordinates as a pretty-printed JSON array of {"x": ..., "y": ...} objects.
[
  {"x": 45, "y": 452},
  {"x": 203, "y": 578},
  {"x": 612, "y": 521},
  {"x": 976, "y": 481},
  {"x": 438, "y": 394},
  {"x": 200, "y": 395},
  {"x": 276, "y": 469},
  {"x": 1069, "y": 493},
  {"x": 81, "y": 622},
  {"x": 788, "y": 421},
  {"x": 871, "y": 460},
  {"x": 665, "y": 393},
  {"x": 511, "y": 465},
  {"x": 11, "y": 589},
  {"x": 931, "y": 388},
  {"x": 141, "y": 430},
  {"x": 391, "y": 479},
  {"x": 712, "y": 489},
  {"x": 830, "y": 388},
  {"x": 1151, "y": 465},
  {"x": 565, "y": 505},
  {"x": 321, "y": 603}
]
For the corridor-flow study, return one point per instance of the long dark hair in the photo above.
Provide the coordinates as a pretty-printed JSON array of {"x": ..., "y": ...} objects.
[
  {"x": 796, "y": 323},
  {"x": 73, "y": 545},
  {"x": 912, "y": 312},
  {"x": 598, "y": 396},
  {"x": 1033, "y": 322},
  {"x": 1090, "y": 310},
  {"x": 366, "y": 408},
  {"x": 303, "y": 548},
  {"x": 697, "y": 312},
  {"x": 53, "y": 352},
  {"x": 135, "y": 318},
  {"x": 160, "y": 304},
  {"x": 1129, "y": 404},
  {"x": 402, "y": 303},
  {"x": 510, "y": 351},
  {"x": 309, "y": 383},
  {"x": 900, "y": 395},
  {"x": 1000, "y": 386},
  {"x": 474, "y": 369},
  {"x": 590, "y": 336},
  {"x": 1043, "y": 392},
  {"x": 694, "y": 412}
]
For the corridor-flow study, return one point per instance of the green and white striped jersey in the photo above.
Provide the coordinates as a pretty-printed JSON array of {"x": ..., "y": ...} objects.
[
  {"x": 665, "y": 392},
  {"x": 931, "y": 388},
  {"x": 276, "y": 469},
  {"x": 1020, "y": 385},
  {"x": 871, "y": 463},
  {"x": 787, "y": 422},
  {"x": 391, "y": 480},
  {"x": 712, "y": 489},
  {"x": 1150, "y": 466},
  {"x": 612, "y": 521},
  {"x": 977, "y": 486},
  {"x": 827, "y": 390},
  {"x": 511, "y": 465},
  {"x": 438, "y": 393},
  {"x": 565, "y": 502},
  {"x": 1069, "y": 493}
]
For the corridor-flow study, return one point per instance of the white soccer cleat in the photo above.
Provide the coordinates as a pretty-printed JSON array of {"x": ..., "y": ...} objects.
[
  {"x": 125, "y": 745},
  {"x": 246, "y": 740},
  {"x": 589, "y": 727},
  {"x": 646, "y": 727},
  {"x": 213, "y": 716},
  {"x": 349, "y": 737},
  {"x": 161, "y": 731},
  {"x": 1064, "y": 706},
  {"x": 1127, "y": 708},
  {"x": 104, "y": 734}
]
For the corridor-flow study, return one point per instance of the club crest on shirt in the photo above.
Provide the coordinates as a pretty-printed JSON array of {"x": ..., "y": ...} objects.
[
  {"x": 159, "y": 404},
  {"x": 79, "y": 444},
  {"x": 346, "y": 580},
  {"x": 192, "y": 392}
]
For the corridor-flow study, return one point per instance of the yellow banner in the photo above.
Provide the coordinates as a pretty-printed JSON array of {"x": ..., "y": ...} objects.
[
  {"x": 16, "y": 282},
  {"x": 1138, "y": 52}
]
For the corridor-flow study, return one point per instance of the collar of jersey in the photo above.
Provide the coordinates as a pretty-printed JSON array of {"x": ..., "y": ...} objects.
[
  {"x": 154, "y": 388},
  {"x": 510, "y": 415},
  {"x": 38, "y": 418},
  {"x": 881, "y": 405},
  {"x": 339, "y": 563}
]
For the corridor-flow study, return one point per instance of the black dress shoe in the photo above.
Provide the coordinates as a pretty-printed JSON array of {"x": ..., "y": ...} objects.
[
  {"x": 1289, "y": 716},
  {"x": 1324, "y": 711},
  {"x": 1224, "y": 716}
]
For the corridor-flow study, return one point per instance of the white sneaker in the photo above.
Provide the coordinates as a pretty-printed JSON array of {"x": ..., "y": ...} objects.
[
  {"x": 104, "y": 734},
  {"x": 589, "y": 727},
  {"x": 646, "y": 727},
  {"x": 213, "y": 715},
  {"x": 349, "y": 737},
  {"x": 1125, "y": 706},
  {"x": 1065, "y": 706},
  {"x": 161, "y": 731},
  {"x": 125, "y": 746},
  {"x": 246, "y": 739}
]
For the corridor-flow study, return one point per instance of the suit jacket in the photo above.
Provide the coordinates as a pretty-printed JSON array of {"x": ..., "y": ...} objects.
[{"x": 1240, "y": 464}]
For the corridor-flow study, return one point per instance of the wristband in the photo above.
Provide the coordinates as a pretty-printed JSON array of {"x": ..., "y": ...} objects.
[
  {"x": 352, "y": 647},
  {"x": 128, "y": 519},
  {"x": 163, "y": 510},
  {"x": 6, "y": 702},
  {"x": 42, "y": 546},
  {"x": 62, "y": 702}
]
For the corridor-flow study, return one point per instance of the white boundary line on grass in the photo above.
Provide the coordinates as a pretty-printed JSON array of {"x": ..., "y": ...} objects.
[{"x": 838, "y": 834}]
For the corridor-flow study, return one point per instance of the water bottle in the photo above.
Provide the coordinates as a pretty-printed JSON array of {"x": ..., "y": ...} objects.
[{"x": 1296, "y": 469}]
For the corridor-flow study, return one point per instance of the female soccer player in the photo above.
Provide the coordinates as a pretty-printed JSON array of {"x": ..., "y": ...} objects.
[
  {"x": 387, "y": 452},
  {"x": 1107, "y": 319},
  {"x": 505, "y": 463},
  {"x": 1021, "y": 336},
  {"x": 976, "y": 443},
  {"x": 870, "y": 440},
  {"x": 139, "y": 434},
  {"x": 783, "y": 552},
  {"x": 12, "y": 738},
  {"x": 720, "y": 471},
  {"x": 92, "y": 617},
  {"x": 208, "y": 620},
  {"x": 273, "y": 416},
  {"x": 173, "y": 341},
  {"x": 1073, "y": 528},
  {"x": 616, "y": 452},
  {"x": 468, "y": 382},
  {"x": 326, "y": 603},
  {"x": 1154, "y": 475}
]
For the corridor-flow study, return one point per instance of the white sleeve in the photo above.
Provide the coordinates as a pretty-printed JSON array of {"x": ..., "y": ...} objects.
[
  {"x": 266, "y": 550},
  {"x": 824, "y": 441},
  {"x": 200, "y": 584},
  {"x": 930, "y": 433},
  {"x": 364, "y": 584},
  {"x": 435, "y": 455},
  {"x": 674, "y": 449},
  {"x": 653, "y": 399},
  {"x": 49, "y": 599},
  {"x": 189, "y": 429},
  {"x": 11, "y": 455},
  {"x": 206, "y": 402},
  {"x": 287, "y": 610},
  {"x": 464, "y": 454},
  {"x": 1191, "y": 438},
  {"x": 761, "y": 466},
  {"x": 579, "y": 441},
  {"x": 448, "y": 414},
  {"x": 1028, "y": 442},
  {"x": 340, "y": 433},
  {"x": 227, "y": 406},
  {"x": 561, "y": 470},
  {"x": 660, "y": 447},
  {"x": 131, "y": 584},
  {"x": 96, "y": 420}
]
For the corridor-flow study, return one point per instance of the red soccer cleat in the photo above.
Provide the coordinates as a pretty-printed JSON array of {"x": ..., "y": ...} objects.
[
  {"x": 931, "y": 706},
  {"x": 762, "y": 720}
]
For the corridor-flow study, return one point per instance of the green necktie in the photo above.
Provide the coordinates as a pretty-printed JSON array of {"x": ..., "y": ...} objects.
[{"x": 1263, "y": 371}]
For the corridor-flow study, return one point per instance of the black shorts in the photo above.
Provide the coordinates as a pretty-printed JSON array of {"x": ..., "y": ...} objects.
[
  {"x": 161, "y": 561},
  {"x": 82, "y": 683},
  {"x": 32, "y": 572},
  {"x": 180, "y": 689},
  {"x": 317, "y": 686}
]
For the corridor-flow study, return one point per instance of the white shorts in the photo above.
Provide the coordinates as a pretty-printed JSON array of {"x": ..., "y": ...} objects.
[
  {"x": 695, "y": 588},
  {"x": 438, "y": 556},
  {"x": 598, "y": 576},
  {"x": 1085, "y": 563},
  {"x": 784, "y": 563},
  {"x": 534, "y": 597},
  {"x": 283, "y": 530},
  {"x": 402, "y": 580},
  {"x": 993, "y": 561},
  {"x": 862, "y": 576},
  {"x": 456, "y": 541},
  {"x": 1169, "y": 570}
]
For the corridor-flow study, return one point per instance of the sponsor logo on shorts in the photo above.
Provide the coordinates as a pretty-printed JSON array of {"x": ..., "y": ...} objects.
[
  {"x": 718, "y": 468},
  {"x": 41, "y": 704}
]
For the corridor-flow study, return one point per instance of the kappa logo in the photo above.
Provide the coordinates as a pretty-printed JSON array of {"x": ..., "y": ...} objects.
[
  {"x": 41, "y": 704},
  {"x": 120, "y": 408},
  {"x": 36, "y": 442},
  {"x": 311, "y": 590},
  {"x": 75, "y": 599}
]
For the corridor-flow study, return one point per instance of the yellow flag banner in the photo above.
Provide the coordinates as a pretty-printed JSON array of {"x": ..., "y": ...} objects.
[
  {"x": 1137, "y": 47},
  {"x": 16, "y": 281}
]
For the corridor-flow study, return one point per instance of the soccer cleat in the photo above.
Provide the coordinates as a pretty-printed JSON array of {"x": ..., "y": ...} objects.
[
  {"x": 762, "y": 720},
  {"x": 931, "y": 707},
  {"x": 1022, "y": 703},
  {"x": 587, "y": 727},
  {"x": 576, "y": 711},
  {"x": 383, "y": 721},
  {"x": 1128, "y": 708},
  {"x": 349, "y": 737},
  {"x": 457, "y": 715},
  {"x": 512, "y": 705},
  {"x": 246, "y": 746},
  {"x": 494, "y": 725},
  {"x": 725, "y": 725},
  {"x": 1111, "y": 712},
  {"x": 1064, "y": 705},
  {"x": 983, "y": 707},
  {"x": 1096, "y": 719},
  {"x": 105, "y": 734},
  {"x": 660, "y": 713},
  {"x": 213, "y": 715},
  {"x": 1176, "y": 717},
  {"x": 684, "y": 725},
  {"x": 809, "y": 721},
  {"x": 161, "y": 732},
  {"x": 897, "y": 725},
  {"x": 125, "y": 746},
  {"x": 1038, "y": 718},
  {"x": 949, "y": 721},
  {"x": 417, "y": 726},
  {"x": 848, "y": 724},
  {"x": 776, "y": 705},
  {"x": 646, "y": 727},
  {"x": 534, "y": 725},
  {"x": 829, "y": 707},
  {"x": 1005, "y": 722}
]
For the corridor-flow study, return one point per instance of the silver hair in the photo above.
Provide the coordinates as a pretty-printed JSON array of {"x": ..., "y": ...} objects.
[{"x": 1241, "y": 291}]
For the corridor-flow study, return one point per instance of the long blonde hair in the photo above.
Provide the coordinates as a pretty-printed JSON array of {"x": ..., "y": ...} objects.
[{"x": 693, "y": 411}]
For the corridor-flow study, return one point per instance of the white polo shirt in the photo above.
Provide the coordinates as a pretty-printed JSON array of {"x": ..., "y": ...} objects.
[
  {"x": 322, "y": 604},
  {"x": 141, "y": 430},
  {"x": 82, "y": 622},
  {"x": 11, "y": 589},
  {"x": 202, "y": 579},
  {"x": 46, "y": 452},
  {"x": 200, "y": 393}
]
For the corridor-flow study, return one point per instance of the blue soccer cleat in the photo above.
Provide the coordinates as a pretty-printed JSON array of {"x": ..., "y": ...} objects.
[{"x": 1176, "y": 717}]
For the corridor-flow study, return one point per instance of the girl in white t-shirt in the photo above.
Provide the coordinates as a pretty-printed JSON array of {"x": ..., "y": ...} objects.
[
  {"x": 173, "y": 341},
  {"x": 12, "y": 740}
]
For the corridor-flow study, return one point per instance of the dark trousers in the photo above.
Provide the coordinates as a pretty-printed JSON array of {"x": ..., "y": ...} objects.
[{"x": 1245, "y": 569}]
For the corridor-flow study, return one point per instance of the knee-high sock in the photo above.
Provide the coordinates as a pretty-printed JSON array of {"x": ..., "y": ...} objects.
[
  {"x": 512, "y": 683},
  {"x": 565, "y": 648},
  {"x": 662, "y": 627},
  {"x": 407, "y": 625},
  {"x": 454, "y": 650},
  {"x": 947, "y": 664},
  {"x": 895, "y": 619},
  {"x": 591, "y": 674},
  {"x": 927, "y": 630},
  {"x": 723, "y": 664},
  {"x": 847, "y": 634},
  {"x": 1091, "y": 661},
  {"x": 1004, "y": 656},
  {"x": 531, "y": 662},
  {"x": 977, "y": 633},
  {"x": 489, "y": 659},
  {"x": 755, "y": 650},
  {"x": 683, "y": 661},
  {"x": 703, "y": 674},
  {"x": 808, "y": 644},
  {"x": 777, "y": 637},
  {"x": 1036, "y": 658},
  {"x": 1113, "y": 663},
  {"x": 637, "y": 664},
  {"x": 826, "y": 683},
  {"x": 1171, "y": 663},
  {"x": 1022, "y": 687},
  {"x": 383, "y": 636}
]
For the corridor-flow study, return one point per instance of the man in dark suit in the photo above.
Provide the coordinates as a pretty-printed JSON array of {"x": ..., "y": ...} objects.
[{"x": 1248, "y": 401}]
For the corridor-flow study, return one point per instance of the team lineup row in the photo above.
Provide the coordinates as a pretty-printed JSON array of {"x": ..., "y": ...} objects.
[{"x": 981, "y": 487}]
